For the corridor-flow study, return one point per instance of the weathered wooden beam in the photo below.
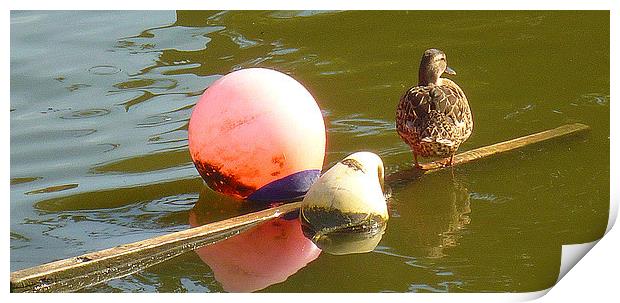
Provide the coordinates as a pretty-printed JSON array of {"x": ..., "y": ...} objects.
[
  {"x": 412, "y": 173},
  {"x": 90, "y": 269},
  {"x": 75, "y": 273},
  {"x": 509, "y": 145}
]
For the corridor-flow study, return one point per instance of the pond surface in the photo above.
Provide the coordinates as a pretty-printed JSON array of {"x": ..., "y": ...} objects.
[{"x": 100, "y": 103}]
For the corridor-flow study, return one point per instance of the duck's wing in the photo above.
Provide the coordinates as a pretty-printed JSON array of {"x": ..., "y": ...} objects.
[
  {"x": 453, "y": 104},
  {"x": 413, "y": 112},
  {"x": 434, "y": 112}
]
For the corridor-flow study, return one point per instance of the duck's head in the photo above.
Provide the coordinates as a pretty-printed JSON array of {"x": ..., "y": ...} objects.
[{"x": 432, "y": 66}]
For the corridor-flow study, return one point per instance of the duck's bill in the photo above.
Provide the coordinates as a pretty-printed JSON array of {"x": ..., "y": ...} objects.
[{"x": 449, "y": 71}]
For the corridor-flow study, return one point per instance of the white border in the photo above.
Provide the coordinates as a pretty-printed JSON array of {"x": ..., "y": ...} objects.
[
  {"x": 315, "y": 4},
  {"x": 594, "y": 277}
]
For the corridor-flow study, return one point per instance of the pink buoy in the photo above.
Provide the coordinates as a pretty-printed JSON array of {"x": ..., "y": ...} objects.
[{"x": 257, "y": 134}]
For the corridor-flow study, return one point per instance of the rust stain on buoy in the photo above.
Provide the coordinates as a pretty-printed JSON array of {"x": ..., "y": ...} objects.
[
  {"x": 279, "y": 161},
  {"x": 223, "y": 183},
  {"x": 229, "y": 125}
]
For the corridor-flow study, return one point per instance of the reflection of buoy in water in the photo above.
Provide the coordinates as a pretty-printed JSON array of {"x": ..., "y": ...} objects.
[
  {"x": 349, "y": 241},
  {"x": 257, "y": 134},
  {"x": 262, "y": 256},
  {"x": 348, "y": 198}
]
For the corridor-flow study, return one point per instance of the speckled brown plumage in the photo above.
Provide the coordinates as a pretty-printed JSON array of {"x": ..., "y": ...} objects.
[{"x": 434, "y": 117}]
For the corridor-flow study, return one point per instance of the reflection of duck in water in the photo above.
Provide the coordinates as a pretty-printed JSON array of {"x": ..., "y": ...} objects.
[
  {"x": 433, "y": 219},
  {"x": 261, "y": 256},
  {"x": 434, "y": 118}
]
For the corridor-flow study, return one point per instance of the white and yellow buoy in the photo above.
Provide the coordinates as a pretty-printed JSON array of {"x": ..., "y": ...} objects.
[{"x": 347, "y": 199}]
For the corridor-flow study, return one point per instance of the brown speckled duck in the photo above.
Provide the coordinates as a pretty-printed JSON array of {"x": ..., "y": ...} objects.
[{"x": 434, "y": 117}]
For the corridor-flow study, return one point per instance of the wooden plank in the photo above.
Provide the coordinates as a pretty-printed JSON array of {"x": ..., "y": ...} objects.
[
  {"x": 90, "y": 269},
  {"x": 93, "y": 268},
  {"x": 406, "y": 175},
  {"x": 509, "y": 145}
]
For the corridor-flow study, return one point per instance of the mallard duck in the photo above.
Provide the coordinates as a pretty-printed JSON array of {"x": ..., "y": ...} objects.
[{"x": 434, "y": 118}]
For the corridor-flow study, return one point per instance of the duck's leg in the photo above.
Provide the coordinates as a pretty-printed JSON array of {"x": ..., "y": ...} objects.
[
  {"x": 415, "y": 159},
  {"x": 448, "y": 162}
]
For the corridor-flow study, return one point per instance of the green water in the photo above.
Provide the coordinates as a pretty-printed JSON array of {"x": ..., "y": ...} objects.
[{"x": 100, "y": 103}]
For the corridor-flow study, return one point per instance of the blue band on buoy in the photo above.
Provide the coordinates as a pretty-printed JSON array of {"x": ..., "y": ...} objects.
[{"x": 288, "y": 188}]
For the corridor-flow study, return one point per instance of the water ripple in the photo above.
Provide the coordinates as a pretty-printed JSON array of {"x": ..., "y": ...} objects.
[
  {"x": 242, "y": 41},
  {"x": 361, "y": 127},
  {"x": 489, "y": 197},
  {"x": 52, "y": 189},
  {"x": 21, "y": 180},
  {"x": 87, "y": 113},
  {"x": 520, "y": 111},
  {"x": 104, "y": 70},
  {"x": 592, "y": 99},
  {"x": 165, "y": 83},
  {"x": 305, "y": 13}
]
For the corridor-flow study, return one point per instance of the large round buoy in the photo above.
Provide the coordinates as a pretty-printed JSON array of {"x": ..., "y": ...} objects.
[{"x": 257, "y": 134}]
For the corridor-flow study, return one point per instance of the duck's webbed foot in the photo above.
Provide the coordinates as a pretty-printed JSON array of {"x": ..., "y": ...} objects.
[{"x": 448, "y": 161}]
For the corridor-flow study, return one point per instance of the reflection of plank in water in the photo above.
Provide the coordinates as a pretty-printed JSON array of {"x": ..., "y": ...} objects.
[
  {"x": 79, "y": 272},
  {"x": 89, "y": 269}
]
